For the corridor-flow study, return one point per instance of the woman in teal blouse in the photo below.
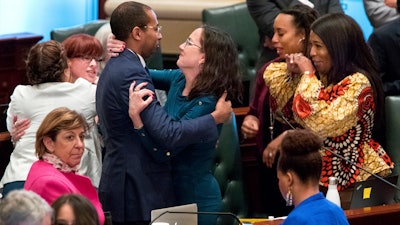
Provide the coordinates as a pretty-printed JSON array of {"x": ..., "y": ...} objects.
[{"x": 208, "y": 66}]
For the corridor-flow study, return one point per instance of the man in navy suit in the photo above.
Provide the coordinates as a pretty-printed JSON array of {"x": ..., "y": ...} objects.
[
  {"x": 132, "y": 184},
  {"x": 385, "y": 43}
]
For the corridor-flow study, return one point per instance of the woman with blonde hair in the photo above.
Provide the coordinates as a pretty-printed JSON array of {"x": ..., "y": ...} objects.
[{"x": 59, "y": 147}]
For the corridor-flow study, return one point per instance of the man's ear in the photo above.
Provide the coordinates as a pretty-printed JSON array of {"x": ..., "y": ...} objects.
[
  {"x": 49, "y": 143},
  {"x": 136, "y": 33}
]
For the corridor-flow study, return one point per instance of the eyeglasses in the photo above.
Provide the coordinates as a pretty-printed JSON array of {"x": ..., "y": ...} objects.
[
  {"x": 156, "y": 28},
  {"x": 90, "y": 58},
  {"x": 188, "y": 42}
]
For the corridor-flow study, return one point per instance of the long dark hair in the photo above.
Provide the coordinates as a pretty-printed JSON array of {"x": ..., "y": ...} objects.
[
  {"x": 349, "y": 53},
  {"x": 221, "y": 69},
  {"x": 84, "y": 211}
]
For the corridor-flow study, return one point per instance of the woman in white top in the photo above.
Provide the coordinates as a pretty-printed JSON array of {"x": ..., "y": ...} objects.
[
  {"x": 84, "y": 53},
  {"x": 49, "y": 73}
]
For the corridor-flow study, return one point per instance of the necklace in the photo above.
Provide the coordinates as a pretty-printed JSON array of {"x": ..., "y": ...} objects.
[{"x": 271, "y": 120}]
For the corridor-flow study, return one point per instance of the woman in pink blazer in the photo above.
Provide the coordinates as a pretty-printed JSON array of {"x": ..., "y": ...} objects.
[{"x": 59, "y": 147}]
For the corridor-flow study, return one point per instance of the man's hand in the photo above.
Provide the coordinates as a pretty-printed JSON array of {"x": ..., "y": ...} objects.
[{"x": 223, "y": 110}]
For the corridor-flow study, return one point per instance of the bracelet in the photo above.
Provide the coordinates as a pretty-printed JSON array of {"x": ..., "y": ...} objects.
[{"x": 307, "y": 72}]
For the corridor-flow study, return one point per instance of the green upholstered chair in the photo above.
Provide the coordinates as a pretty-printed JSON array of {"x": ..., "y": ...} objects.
[
  {"x": 60, "y": 34},
  {"x": 392, "y": 126},
  {"x": 228, "y": 172},
  {"x": 236, "y": 20}
]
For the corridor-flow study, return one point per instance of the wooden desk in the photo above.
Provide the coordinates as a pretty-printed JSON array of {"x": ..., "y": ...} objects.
[{"x": 387, "y": 215}]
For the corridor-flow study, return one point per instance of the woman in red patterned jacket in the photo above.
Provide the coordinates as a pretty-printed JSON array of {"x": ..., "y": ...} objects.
[{"x": 339, "y": 96}]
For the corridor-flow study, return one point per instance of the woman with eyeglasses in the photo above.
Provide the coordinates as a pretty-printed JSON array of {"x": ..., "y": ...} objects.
[
  {"x": 208, "y": 67},
  {"x": 59, "y": 147},
  {"x": 48, "y": 74},
  {"x": 84, "y": 53}
]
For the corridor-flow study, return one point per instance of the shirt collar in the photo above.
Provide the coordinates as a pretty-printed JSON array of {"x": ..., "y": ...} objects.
[{"x": 139, "y": 56}]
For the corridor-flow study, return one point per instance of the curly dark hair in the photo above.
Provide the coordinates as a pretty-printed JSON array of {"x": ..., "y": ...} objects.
[
  {"x": 221, "y": 69},
  {"x": 299, "y": 152}
]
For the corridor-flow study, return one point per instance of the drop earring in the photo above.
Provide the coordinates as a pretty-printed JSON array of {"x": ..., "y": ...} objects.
[{"x": 289, "y": 197}]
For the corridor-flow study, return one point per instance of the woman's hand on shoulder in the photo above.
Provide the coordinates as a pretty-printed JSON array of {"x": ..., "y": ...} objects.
[
  {"x": 114, "y": 46},
  {"x": 18, "y": 128},
  {"x": 139, "y": 99}
]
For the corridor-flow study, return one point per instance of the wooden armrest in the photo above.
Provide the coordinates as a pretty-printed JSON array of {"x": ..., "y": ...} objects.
[
  {"x": 5, "y": 136},
  {"x": 241, "y": 111}
]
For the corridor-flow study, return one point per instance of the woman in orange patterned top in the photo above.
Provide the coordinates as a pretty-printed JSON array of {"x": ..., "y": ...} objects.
[{"x": 338, "y": 95}]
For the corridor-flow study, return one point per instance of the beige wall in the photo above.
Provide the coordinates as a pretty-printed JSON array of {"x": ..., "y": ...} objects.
[{"x": 177, "y": 17}]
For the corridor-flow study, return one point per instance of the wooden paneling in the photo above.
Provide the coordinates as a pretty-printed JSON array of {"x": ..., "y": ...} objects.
[
  {"x": 13, "y": 51},
  {"x": 385, "y": 214}
]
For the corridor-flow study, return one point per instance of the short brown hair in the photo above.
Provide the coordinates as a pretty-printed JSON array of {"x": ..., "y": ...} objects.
[
  {"x": 46, "y": 62},
  {"x": 82, "y": 45},
  {"x": 59, "y": 119}
]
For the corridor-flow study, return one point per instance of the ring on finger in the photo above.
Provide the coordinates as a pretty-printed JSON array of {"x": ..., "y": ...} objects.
[{"x": 270, "y": 154}]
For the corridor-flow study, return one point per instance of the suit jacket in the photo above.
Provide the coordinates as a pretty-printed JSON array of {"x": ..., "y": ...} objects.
[
  {"x": 50, "y": 183},
  {"x": 385, "y": 43},
  {"x": 379, "y": 13},
  {"x": 132, "y": 184}
]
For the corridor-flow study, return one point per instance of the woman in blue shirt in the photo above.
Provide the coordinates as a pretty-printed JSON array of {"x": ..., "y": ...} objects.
[
  {"x": 299, "y": 170},
  {"x": 208, "y": 66}
]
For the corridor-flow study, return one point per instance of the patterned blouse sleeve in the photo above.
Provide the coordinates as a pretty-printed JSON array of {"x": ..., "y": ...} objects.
[
  {"x": 333, "y": 110},
  {"x": 281, "y": 83}
]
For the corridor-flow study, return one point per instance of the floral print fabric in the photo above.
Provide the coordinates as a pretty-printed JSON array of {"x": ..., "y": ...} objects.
[{"x": 343, "y": 114}]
